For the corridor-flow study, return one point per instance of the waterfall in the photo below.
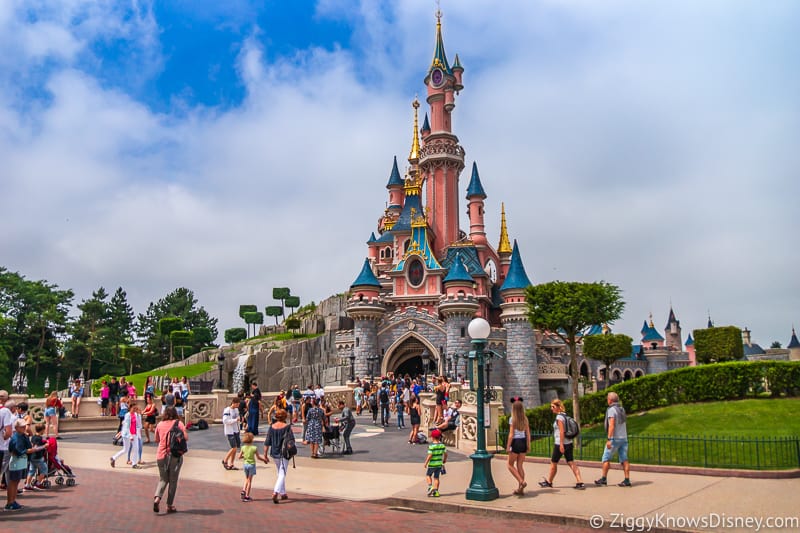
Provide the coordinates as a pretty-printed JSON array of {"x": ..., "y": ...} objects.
[{"x": 239, "y": 373}]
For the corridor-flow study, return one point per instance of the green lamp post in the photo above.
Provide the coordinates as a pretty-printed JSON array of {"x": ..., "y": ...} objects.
[{"x": 481, "y": 486}]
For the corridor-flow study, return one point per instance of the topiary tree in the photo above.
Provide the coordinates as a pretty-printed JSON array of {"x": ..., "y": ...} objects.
[
  {"x": 292, "y": 323},
  {"x": 281, "y": 293},
  {"x": 274, "y": 310},
  {"x": 183, "y": 339},
  {"x": 292, "y": 302},
  {"x": 715, "y": 345},
  {"x": 233, "y": 335},
  {"x": 202, "y": 336},
  {"x": 165, "y": 328},
  {"x": 256, "y": 317},
  {"x": 567, "y": 308},
  {"x": 607, "y": 349},
  {"x": 243, "y": 310}
]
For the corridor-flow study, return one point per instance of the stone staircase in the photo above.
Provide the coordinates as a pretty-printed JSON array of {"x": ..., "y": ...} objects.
[{"x": 89, "y": 423}]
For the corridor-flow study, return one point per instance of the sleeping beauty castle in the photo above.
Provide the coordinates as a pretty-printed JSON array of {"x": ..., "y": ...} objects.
[{"x": 424, "y": 278}]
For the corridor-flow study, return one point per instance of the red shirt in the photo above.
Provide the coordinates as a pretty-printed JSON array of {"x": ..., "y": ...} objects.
[{"x": 162, "y": 430}]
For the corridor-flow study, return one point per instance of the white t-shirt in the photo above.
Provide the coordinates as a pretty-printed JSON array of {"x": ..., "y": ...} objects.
[
  {"x": 319, "y": 393},
  {"x": 230, "y": 420},
  {"x": 5, "y": 420}
]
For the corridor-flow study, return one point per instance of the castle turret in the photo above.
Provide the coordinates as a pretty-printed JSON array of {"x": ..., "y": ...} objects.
[
  {"x": 794, "y": 347},
  {"x": 504, "y": 247},
  {"x": 521, "y": 363},
  {"x": 690, "y": 351},
  {"x": 475, "y": 208},
  {"x": 367, "y": 310},
  {"x": 672, "y": 332},
  {"x": 458, "y": 306}
]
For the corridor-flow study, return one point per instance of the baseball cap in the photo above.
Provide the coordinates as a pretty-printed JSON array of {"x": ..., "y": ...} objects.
[{"x": 436, "y": 434}]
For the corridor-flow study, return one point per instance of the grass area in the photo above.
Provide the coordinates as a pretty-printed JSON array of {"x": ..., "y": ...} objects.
[
  {"x": 753, "y": 434},
  {"x": 280, "y": 337},
  {"x": 140, "y": 379}
]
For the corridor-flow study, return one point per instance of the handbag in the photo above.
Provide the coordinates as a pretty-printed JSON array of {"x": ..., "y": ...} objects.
[{"x": 18, "y": 462}]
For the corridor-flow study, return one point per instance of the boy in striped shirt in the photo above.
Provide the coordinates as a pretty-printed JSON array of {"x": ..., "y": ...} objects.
[{"x": 434, "y": 462}]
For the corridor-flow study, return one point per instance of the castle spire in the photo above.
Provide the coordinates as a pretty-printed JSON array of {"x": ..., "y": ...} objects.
[
  {"x": 439, "y": 56},
  {"x": 505, "y": 246},
  {"x": 413, "y": 157},
  {"x": 517, "y": 278}
]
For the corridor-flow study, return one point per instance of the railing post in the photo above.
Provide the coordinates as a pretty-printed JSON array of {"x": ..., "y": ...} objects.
[
  {"x": 705, "y": 452},
  {"x": 659, "y": 448},
  {"x": 797, "y": 447},
  {"x": 758, "y": 457}
]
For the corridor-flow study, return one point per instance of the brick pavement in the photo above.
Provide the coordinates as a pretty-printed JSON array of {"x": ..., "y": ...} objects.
[{"x": 105, "y": 498}]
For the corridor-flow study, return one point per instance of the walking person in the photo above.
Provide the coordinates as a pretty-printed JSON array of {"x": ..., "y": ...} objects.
[
  {"x": 358, "y": 397},
  {"x": 434, "y": 462},
  {"x": 314, "y": 416},
  {"x": 254, "y": 408},
  {"x": 230, "y": 426},
  {"x": 6, "y": 430},
  {"x": 415, "y": 417},
  {"x": 562, "y": 446},
  {"x": 372, "y": 402},
  {"x": 383, "y": 398},
  {"x": 149, "y": 414},
  {"x": 249, "y": 455},
  {"x": 347, "y": 422},
  {"x": 131, "y": 434},
  {"x": 113, "y": 396},
  {"x": 273, "y": 448},
  {"x": 76, "y": 393},
  {"x": 519, "y": 440},
  {"x": 169, "y": 467},
  {"x": 19, "y": 448},
  {"x": 617, "y": 431},
  {"x": 51, "y": 415},
  {"x": 105, "y": 392}
]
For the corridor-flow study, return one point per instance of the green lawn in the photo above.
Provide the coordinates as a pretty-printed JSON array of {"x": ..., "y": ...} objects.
[
  {"x": 754, "y": 434},
  {"x": 139, "y": 379}
]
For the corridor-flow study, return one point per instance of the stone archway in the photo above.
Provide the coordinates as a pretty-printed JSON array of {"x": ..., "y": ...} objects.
[{"x": 405, "y": 352}]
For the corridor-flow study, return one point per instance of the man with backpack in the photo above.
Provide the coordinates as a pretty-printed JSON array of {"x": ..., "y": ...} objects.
[
  {"x": 563, "y": 433},
  {"x": 383, "y": 398},
  {"x": 372, "y": 401},
  {"x": 617, "y": 430}
]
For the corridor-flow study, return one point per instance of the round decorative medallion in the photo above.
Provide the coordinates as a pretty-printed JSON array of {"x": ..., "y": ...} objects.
[{"x": 411, "y": 325}]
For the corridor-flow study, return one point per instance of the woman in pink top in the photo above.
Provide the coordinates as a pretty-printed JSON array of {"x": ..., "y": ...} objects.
[{"x": 169, "y": 467}]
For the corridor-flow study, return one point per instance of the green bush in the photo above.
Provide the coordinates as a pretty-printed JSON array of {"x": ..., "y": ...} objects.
[
  {"x": 704, "y": 383},
  {"x": 718, "y": 344}
]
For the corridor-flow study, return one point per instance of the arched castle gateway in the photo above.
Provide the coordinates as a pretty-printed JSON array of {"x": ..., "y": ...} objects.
[{"x": 425, "y": 278}]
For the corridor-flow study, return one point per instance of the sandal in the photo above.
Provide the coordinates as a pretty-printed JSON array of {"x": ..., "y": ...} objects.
[
  {"x": 156, "y": 503},
  {"x": 171, "y": 509},
  {"x": 274, "y": 497},
  {"x": 580, "y": 486},
  {"x": 518, "y": 492},
  {"x": 545, "y": 484}
]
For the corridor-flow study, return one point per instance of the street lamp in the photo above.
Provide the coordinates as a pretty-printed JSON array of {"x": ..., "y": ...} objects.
[
  {"x": 46, "y": 385},
  {"x": 372, "y": 360},
  {"x": 20, "y": 380},
  {"x": 220, "y": 365},
  {"x": 426, "y": 358},
  {"x": 481, "y": 486},
  {"x": 352, "y": 367}
]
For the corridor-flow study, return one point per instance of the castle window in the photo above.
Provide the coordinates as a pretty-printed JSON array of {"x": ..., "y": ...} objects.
[
  {"x": 416, "y": 272},
  {"x": 462, "y": 332},
  {"x": 357, "y": 341}
]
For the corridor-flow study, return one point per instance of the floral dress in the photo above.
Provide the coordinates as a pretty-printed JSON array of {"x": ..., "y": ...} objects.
[{"x": 314, "y": 430}]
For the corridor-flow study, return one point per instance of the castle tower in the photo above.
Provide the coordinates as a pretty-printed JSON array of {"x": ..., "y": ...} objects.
[
  {"x": 672, "y": 332},
  {"x": 367, "y": 310},
  {"x": 690, "y": 351},
  {"x": 458, "y": 306},
  {"x": 441, "y": 157},
  {"x": 475, "y": 198},
  {"x": 395, "y": 187},
  {"x": 521, "y": 364},
  {"x": 504, "y": 247},
  {"x": 794, "y": 347}
]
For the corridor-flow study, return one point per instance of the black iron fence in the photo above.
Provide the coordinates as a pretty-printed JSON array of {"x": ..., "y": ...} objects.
[{"x": 755, "y": 453}]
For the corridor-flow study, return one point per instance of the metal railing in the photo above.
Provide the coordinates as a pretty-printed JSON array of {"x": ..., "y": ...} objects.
[{"x": 753, "y": 453}]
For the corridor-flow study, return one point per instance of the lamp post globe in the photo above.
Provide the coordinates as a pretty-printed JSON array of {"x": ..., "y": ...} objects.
[{"x": 481, "y": 486}]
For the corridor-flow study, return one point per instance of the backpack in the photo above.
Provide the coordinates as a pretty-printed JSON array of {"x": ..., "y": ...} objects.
[
  {"x": 384, "y": 396},
  {"x": 372, "y": 401},
  {"x": 202, "y": 424},
  {"x": 177, "y": 441},
  {"x": 288, "y": 445},
  {"x": 421, "y": 438},
  {"x": 571, "y": 427}
]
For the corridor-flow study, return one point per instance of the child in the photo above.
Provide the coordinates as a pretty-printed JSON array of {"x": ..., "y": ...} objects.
[
  {"x": 105, "y": 394},
  {"x": 434, "y": 462},
  {"x": 401, "y": 409},
  {"x": 249, "y": 454},
  {"x": 36, "y": 462}
]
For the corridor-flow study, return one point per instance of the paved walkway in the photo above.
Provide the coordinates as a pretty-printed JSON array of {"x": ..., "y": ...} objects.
[{"x": 387, "y": 470}]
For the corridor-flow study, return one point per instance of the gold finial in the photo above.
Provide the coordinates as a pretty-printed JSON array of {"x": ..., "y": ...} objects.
[
  {"x": 606, "y": 329},
  {"x": 505, "y": 245},
  {"x": 414, "y": 155},
  {"x": 651, "y": 320}
]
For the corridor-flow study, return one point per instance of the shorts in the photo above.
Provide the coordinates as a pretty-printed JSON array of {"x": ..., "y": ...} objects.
[
  {"x": 567, "y": 453},
  {"x": 249, "y": 470},
  {"x": 234, "y": 440},
  {"x": 151, "y": 419},
  {"x": 519, "y": 445},
  {"x": 104, "y": 402},
  {"x": 50, "y": 411},
  {"x": 37, "y": 465},
  {"x": 179, "y": 410},
  {"x": 113, "y": 398},
  {"x": 619, "y": 446},
  {"x": 434, "y": 471},
  {"x": 17, "y": 475}
]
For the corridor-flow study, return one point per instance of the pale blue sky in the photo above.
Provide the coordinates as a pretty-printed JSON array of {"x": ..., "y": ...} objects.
[{"x": 237, "y": 146}]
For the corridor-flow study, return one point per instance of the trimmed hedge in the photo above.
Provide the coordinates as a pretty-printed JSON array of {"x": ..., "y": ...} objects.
[{"x": 715, "y": 382}]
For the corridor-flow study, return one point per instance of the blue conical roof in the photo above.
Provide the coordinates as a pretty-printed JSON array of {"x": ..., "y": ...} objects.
[
  {"x": 516, "y": 278},
  {"x": 366, "y": 277},
  {"x": 371, "y": 237},
  {"x": 645, "y": 327},
  {"x": 394, "y": 178},
  {"x": 794, "y": 343},
  {"x": 426, "y": 126},
  {"x": 475, "y": 188},
  {"x": 690, "y": 340},
  {"x": 458, "y": 272}
]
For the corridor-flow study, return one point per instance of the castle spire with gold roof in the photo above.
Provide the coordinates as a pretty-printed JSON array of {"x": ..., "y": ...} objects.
[
  {"x": 413, "y": 156},
  {"x": 505, "y": 245}
]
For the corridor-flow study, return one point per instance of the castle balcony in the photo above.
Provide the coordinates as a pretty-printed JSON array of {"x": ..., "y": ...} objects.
[{"x": 553, "y": 371}]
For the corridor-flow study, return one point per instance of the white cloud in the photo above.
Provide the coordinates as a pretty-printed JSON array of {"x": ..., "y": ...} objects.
[{"x": 647, "y": 146}]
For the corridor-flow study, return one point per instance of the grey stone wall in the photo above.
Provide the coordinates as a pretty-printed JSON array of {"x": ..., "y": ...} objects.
[
  {"x": 365, "y": 343},
  {"x": 521, "y": 366},
  {"x": 456, "y": 343}
]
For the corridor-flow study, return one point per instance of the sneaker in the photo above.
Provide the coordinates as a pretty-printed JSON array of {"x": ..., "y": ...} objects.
[
  {"x": 601, "y": 481},
  {"x": 579, "y": 486},
  {"x": 624, "y": 483},
  {"x": 435, "y": 494},
  {"x": 13, "y": 506},
  {"x": 112, "y": 461},
  {"x": 247, "y": 499}
]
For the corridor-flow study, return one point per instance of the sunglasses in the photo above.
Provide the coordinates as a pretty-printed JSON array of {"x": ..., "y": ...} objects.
[{"x": 516, "y": 399}]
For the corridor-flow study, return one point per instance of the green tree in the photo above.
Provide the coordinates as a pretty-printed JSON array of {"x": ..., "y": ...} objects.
[
  {"x": 607, "y": 349},
  {"x": 179, "y": 303},
  {"x": 91, "y": 335},
  {"x": 775, "y": 344},
  {"x": 233, "y": 335},
  {"x": 121, "y": 319},
  {"x": 567, "y": 308},
  {"x": 274, "y": 310},
  {"x": 292, "y": 323},
  {"x": 243, "y": 310},
  {"x": 255, "y": 318},
  {"x": 718, "y": 344},
  {"x": 166, "y": 326},
  {"x": 182, "y": 342},
  {"x": 202, "y": 337},
  {"x": 281, "y": 293},
  {"x": 292, "y": 302}
]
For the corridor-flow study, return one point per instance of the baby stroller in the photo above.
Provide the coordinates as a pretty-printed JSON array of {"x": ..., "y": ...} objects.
[
  {"x": 56, "y": 467},
  {"x": 330, "y": 438}
]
